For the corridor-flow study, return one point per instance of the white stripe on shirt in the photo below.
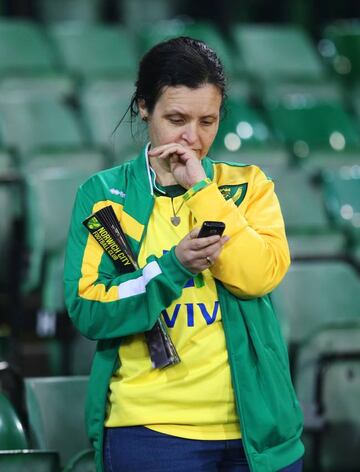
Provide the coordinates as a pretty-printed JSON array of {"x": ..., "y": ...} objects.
[{"x": 138, "y": 285}]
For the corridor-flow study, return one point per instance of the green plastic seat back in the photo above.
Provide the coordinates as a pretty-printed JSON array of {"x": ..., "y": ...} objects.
[
  {"x": 29, "y": 461},
  {"x": 54, "y": 11},
  {"x": 301, "y": 201},
  {"x": 308, "y": 228},
  {"x": 31, "y": 125},
  {"x": 307, "y": 124},
  {"x": 82, "y": 462},
  {"x": 314, "y": 294},
  {"x": 277, "y": 52},
  {"x": 344, "y": 47},
  {"x": 342, "y": 198},
  {"x": 50, "y": 195},
  {"x": 54, "y": 190},
  {"x": 340, "y": 392},
  {"x": 56, "y": 414},
  {"x": 336, "y": 339},
  {"x": 242, "y": 126},
  {"x": 95, "y": 50},
  {"x": 245, "y": 137},
  {"x": 24, "y": 48},
  {"x": 103, "y": 105},
  {"x": 12, "y": 434}
]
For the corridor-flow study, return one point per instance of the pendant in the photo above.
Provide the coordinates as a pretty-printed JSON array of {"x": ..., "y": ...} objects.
[{"x": 175, "y": 220}]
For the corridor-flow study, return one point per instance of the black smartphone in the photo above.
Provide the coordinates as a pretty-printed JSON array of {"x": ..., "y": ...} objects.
[{"x": 211, "y": 228}]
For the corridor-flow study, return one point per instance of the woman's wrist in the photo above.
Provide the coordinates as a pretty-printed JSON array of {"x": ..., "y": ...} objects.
[{"x": 201, "y": 184}]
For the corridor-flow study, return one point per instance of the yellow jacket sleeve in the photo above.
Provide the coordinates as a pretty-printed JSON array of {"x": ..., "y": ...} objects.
[{"x": 256, "y": 258}]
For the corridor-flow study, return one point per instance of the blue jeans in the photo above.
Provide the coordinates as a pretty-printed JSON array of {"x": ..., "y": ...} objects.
[{"x": 136, "y": 448}]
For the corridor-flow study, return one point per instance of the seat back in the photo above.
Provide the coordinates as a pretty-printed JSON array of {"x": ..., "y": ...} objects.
[
  {"x": 342, "y": 199},
  {"x": 24, "y": 48},
  {"x": 307, "y": 124},
  {"x": 277, "y": 52},
  {"x": 344, "y": 39},
  {"x": 314, "y": 294},
  {"x": 327, "y": 382},
  {"x": 56, "y": 414},
  {"x": 56, "y": 11},
  {"x": 50, "y": 195},
  {"x": 95, "y": 50},
  {"x": 12, "y": 434},
  {"x": 103, "y": 104},
  {"x": 245, "y": 137},
  {"x": 39, "y": 124}
]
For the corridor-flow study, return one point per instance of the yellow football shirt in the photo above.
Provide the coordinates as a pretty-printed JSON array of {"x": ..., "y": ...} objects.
[{"x": 195, "y": 398}]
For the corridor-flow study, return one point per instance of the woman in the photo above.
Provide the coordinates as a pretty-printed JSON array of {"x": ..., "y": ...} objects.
[{"x": 229, "y": 404}]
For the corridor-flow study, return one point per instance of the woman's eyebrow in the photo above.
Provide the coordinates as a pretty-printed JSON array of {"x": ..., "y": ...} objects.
[{"x": 182, "y": 113}]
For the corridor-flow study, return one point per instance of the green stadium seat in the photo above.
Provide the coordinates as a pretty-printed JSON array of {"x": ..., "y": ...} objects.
[
  {"x": 328, "y": 387},
  {"x": 56, "y": 414},
  {"x": 24, "y": 49},
  {"x": 12, "y": 434},
  {"x": 103, "y": 104},
  {"x": 340, "y": 47},
  {"x": 82, "y": 462},
  {"x": 244, "y": 136},
  {"x": 136, "y": 16},
  {"x": 309, "y": 231},
  {"x": 342, "y": 199},
  {"x": 55, "y": 11},
  {"x": 95, "y": 51},
  {"x": 50, "y": 194},
  {"x": 319, "y": 133},
  {"x": 273, "y": 52},
  {"x": 205, "y": 31},
  {"x": 28, "y": 60},
  {"x": 38, "y": 125},
  {"x": 314, "y": 294},
  {"x": 29, "y": 461}
]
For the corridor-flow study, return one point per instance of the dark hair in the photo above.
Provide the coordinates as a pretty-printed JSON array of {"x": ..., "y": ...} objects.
[{"x": 178, "y": 61}]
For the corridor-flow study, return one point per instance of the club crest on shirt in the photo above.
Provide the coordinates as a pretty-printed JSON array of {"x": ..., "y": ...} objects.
[{"x": 234, "y": 192}]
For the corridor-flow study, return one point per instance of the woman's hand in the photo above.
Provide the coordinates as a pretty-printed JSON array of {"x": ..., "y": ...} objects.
[
  {"x": 198, "y": 254},
  {"x": 184, "y": 164}
]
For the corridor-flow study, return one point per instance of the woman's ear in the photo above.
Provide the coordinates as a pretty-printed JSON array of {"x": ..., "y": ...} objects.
[{"x": 143, "y": 110}]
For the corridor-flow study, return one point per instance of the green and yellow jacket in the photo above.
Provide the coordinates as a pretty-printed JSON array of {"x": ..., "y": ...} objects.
[{"x": 106, "y": 306}]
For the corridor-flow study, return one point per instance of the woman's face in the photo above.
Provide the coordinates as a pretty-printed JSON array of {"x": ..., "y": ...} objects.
[{"x": 185, "y": 116}]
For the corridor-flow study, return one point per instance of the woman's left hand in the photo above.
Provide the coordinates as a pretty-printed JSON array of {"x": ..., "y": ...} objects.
[{"x": 184, "y": 164}]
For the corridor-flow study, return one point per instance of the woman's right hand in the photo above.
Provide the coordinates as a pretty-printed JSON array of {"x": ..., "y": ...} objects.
[{"x": 198, "y": 254}]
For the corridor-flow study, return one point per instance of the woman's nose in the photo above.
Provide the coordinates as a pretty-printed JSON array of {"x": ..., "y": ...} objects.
[{"x": 190, "y": 135}]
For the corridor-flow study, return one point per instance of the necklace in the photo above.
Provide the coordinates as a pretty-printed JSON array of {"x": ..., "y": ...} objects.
[{"x": 175, "y": 219}]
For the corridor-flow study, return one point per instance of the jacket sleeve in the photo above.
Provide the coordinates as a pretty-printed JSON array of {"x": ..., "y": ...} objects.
[
  {"x": 256, "y": 258},
  {"x": 104, "y": 304}
]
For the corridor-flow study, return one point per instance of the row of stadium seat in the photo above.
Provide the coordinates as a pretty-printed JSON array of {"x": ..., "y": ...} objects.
[
  {"x": 298, "y": 127},
  {"x": 262, "y": 52}
]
